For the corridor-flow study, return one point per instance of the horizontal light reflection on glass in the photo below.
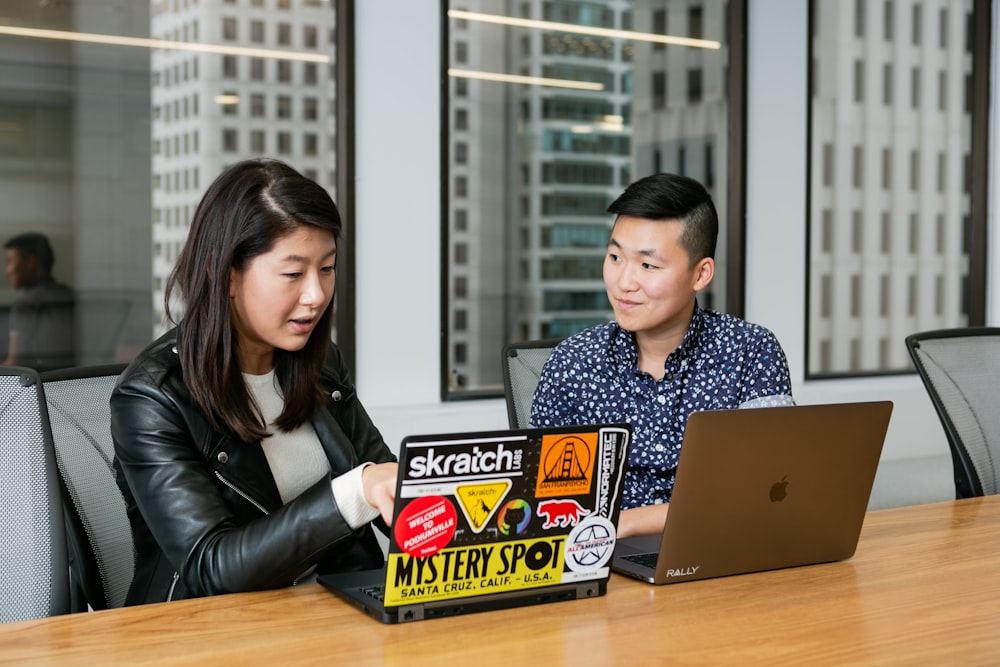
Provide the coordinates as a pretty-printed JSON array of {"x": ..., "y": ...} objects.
[
  {"x": 528, "y": 80},
  {"x": 116, "y": 40},
  {"x": 584, "y": 30}
]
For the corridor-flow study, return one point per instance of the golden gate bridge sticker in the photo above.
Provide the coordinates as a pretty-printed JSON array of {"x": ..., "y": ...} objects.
[{"x": 590, "y": 544}]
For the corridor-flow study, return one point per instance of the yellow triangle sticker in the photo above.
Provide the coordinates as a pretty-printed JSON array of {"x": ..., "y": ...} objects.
[{"x": 479, "y": 502}]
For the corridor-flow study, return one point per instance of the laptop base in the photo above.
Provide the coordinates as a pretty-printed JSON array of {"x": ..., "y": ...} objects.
[{"x": 358, "y": 596}]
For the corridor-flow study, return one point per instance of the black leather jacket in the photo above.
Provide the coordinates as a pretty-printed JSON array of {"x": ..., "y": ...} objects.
[{"x": 206, "y": 514}]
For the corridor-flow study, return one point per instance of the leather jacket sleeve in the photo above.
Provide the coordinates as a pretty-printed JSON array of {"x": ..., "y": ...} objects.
[{"x": 209, "y": 501}]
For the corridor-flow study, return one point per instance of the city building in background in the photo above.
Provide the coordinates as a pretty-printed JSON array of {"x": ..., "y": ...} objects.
[{"x": 890, "y": 182}]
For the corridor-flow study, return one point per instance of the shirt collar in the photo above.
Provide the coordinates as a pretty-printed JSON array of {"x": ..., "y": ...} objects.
[{"x": 625, "y": 355}]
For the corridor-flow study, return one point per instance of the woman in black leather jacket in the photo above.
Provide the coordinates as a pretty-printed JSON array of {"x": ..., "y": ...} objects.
[{"x": 246, "y": 460}]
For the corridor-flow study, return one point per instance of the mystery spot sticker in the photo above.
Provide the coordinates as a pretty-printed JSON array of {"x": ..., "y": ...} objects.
[{"x": 425, "y": 526}]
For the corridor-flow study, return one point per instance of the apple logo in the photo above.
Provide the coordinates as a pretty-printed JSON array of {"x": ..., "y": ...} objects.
[{"x": 778, "y": 490}]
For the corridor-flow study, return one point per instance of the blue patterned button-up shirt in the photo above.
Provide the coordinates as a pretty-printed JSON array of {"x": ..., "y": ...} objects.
[{"x": 593, "y": 377}]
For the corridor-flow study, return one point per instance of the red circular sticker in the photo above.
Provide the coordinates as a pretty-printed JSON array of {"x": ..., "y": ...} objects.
[{"x": 425, "y": 526}]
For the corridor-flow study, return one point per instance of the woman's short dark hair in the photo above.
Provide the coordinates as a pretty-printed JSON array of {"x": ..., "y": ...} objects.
[
  {"x": 674, "y": 197},
  {"x": 244, "y": 212}
]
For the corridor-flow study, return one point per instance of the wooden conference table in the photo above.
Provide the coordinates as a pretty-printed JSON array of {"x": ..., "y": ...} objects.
[{"x": 923, "y": 588}]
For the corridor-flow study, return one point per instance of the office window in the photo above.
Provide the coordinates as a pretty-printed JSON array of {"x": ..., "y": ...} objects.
[
  {"x": 229, "y": 67},
  {"x": 258, "y": 142},
  {"x": 533, "y": 167},
  {"x": 896, "y": 217},
  {"x": 310, "y": 37},
  {"x": 859, "y": 81},
  {"x": 827, "y": 231},
  {"x": 857, "y": 166},
  {"x": 284, "y": 34},
  {"x": 229, "y": 29},
  {"x": 857, "y": 232},
  {"x": 230, "y": 140},
  {"x": 310, "y": 73},
  {"x": 659, "y": 90},
  {"x": 694, "y": 86},
  {"x": 284, "y": 143},
  {"x": 284, "y": 71},
  {"x": 887, "y": 84},
  {"x": 257, "y": 69},
  {"x": 310, "y": 144},
  {"x": 149, "y": 183},
  {"x": 257, "y": 32},
  {"x": 310, "y": 108},
  {"x": 258, "y": 105},
  {"x": 659, "y": 27},
  {"x": 284, "y": 106},
  {"x": 229, "y": 103}
]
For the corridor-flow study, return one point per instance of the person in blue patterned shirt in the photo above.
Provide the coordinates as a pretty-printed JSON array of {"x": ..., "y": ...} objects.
[{"x": 662, "y": 357}]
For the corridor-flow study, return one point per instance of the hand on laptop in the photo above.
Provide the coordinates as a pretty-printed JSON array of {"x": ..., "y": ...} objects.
[
  {"x": 379, "y": 482},
  {"x": 647, "y": 520}
]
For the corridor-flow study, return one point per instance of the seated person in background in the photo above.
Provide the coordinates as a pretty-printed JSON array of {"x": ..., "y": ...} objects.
[
  {"x": 43, "y": 315},
  {"x": 246, "y": 460},
  {"x": 663, "y": 357}
]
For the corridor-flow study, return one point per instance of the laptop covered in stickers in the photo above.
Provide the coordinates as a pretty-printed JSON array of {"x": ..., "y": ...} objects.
[{"x": 496, "y": 519}]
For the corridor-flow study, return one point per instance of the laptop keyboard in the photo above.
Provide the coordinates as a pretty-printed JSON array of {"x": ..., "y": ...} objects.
[
  {"x": 377, "y": 592},
  {"x": 646, "y": 560}
]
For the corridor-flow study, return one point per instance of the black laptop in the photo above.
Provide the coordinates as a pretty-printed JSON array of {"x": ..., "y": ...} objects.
[{"x": 496, "y": 519}]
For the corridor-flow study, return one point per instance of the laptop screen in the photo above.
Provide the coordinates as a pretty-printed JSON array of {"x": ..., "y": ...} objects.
[{"x": 478, "y": 514}]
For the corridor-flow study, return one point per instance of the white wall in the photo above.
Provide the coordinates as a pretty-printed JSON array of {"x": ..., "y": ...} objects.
[{"x": 398, "y": 212}]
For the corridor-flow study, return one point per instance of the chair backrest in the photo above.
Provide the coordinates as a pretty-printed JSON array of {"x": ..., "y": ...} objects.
[
  {"x": 961, "y": 370},
  {"x": 34, "y": 571},
  {"x": 522, "y": 368},
  {"x": 100, "y": 536}
]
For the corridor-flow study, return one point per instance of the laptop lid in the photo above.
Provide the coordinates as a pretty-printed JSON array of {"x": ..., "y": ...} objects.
[
  {"x": 761, "y": 489},
  {"x": 497, "y": 519}
]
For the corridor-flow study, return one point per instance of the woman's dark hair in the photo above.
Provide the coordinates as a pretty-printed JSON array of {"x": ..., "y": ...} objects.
[
  {"x": 674, "y": 197},
  {"x": 244, "y": 212}
]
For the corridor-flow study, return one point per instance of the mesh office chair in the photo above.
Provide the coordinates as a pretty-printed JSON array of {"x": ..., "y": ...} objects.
[
  {"x": 522, "y": 368},
  {"x": 961, "y": 370},
  {"x": 34, "y": 571},
  {"x": 100, "y": 536}
]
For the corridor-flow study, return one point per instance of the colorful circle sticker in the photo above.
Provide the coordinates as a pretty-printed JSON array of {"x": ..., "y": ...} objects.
[
  {"x": 425, "y": 526},
  {"x": 514, "y": 517},
  {"x": 590, "y": 544}
]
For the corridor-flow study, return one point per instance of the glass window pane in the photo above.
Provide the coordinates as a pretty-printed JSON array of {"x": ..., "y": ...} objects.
[
  {"x": 106, "y": 148},
  {"x": 550, "y": 121},
  {"x": 902, "y": 150}
]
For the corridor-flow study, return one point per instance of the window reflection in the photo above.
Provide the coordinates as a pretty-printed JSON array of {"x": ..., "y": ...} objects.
[
  {"x": 114, "y": 115},
  {"x": 888, "y": 204},
  {"x": 535, "y": 163}
]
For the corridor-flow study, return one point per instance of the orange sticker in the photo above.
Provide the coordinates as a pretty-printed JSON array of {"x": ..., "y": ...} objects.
[{"x": 566, "y": 467}]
